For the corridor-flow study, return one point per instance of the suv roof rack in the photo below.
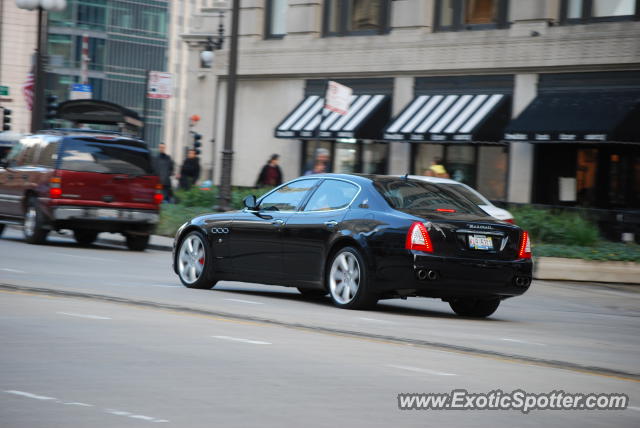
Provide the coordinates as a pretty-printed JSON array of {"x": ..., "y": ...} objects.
[{"x": 85, "y": 131}]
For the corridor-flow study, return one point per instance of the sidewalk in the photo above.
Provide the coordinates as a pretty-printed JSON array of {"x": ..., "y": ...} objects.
[{"x": 545, "y": 268}]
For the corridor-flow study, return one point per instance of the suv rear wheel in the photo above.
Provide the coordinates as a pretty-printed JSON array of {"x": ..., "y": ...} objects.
[
  {"x": 137, "y": 242},
  {"x": 34, "y": 231},
  {"x": 85, "y": 237}
]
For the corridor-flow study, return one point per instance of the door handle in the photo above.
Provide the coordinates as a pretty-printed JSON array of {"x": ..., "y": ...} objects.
[
  {"x": 277, "y": 222},
  {"x": 331, "y": 223}
]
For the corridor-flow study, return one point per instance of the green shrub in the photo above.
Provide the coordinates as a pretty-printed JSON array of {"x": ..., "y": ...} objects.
[
  {"x": 195, "y": 197},
  {"x": 556, "y": 227},
  {"x": 603, "y": 250},
  {"x": 172, "y": 216}
]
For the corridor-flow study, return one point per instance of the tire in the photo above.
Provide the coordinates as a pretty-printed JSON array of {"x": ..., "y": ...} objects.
[
  {"x": 137, "y": 242},
  {"x": 194, "y": 262},
  {"x": 33, "y": 229},
  {"x": 477, "y": 308},
  {"x": 353, "y": 291},
  {"x": 312, "y": 293},
  {"x": 85, "y": 237},
  {"x": 1, "y": 229}
]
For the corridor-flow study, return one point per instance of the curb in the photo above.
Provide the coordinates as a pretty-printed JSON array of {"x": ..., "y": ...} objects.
[{"x": 563, "y": 269}]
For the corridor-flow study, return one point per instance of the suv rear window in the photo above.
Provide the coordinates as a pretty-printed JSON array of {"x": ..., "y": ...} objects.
[
  {"x": 422, "y": 196},
  {"x": 117, "y": 157}
]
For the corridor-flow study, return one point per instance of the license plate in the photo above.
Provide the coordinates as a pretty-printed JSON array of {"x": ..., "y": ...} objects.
[
  {"x": 107, "y": 213},
  {"x": 480, "y": 242}
]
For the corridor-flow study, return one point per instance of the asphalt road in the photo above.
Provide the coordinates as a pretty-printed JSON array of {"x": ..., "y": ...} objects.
[{"x": 105, "y": 337}]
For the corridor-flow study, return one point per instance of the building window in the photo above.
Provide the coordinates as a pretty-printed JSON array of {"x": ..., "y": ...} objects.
[
  {"x": 457, "y": 15},
  {"x": 356, "y": 17},
  {"x": 583, "y": 11},
  {"x": 276, "y": 22}
]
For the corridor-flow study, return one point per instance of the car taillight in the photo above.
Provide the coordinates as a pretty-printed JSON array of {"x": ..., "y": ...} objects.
[
  {"x": 418, "y": 238},
  {"x": 157, "y": 198},
  {"x": 445, "y": 210},
  {"x": 510, "y": 220},
  {"x": 525, "y": 246},
  {"x": 55, "y": 187}
]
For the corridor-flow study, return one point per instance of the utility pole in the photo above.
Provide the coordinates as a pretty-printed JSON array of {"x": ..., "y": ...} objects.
[{"x": 224, "y": 199}]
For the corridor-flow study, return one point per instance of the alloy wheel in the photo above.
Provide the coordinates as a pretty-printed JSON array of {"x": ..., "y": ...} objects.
[
  {"x": 344, "y": 277},
  {"x": 191, "y": 259}
]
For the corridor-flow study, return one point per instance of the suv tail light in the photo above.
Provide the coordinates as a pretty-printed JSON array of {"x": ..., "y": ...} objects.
[
  {"x": 157, "y": 198},
  {"x": 525, "y": 246},
  {"x": 55, "y": 187},
  {"x": 418, "y": 238}
]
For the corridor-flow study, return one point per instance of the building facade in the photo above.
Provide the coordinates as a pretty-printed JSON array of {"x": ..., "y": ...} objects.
[
  {"x": 455, "y": 81},
  {"x": 126, "y": 38}
]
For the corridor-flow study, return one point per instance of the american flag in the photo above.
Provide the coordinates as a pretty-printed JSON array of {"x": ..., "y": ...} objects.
[{"x": 28, "y": 88}]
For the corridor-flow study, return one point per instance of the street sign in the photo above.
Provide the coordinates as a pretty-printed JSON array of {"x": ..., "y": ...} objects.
[
  {"x": 4, "y": 91},
  {"x": 81, "y": 92},
  {"x": 338, "y": 98},
  {"x": 160, "y": 85}
]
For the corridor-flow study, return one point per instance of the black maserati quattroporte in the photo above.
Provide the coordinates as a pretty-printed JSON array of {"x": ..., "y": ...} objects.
[{"x": 361, "y": 238}]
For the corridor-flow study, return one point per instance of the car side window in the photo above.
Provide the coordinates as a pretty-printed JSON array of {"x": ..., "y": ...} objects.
[
  {"x": 49, "y": 154},
  {"x": 29, "y": 155},
  {"x": 288, "y": 197},
  {"x": 15, "y": 154},
  {"x": 332, "y": 195}
]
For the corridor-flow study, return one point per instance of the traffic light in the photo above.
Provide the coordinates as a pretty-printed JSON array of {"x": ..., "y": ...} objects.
[
  {"x": 6, "y": 120},
  {"x": 52, "y": 106},
  {"x": 196, "y": 142}
]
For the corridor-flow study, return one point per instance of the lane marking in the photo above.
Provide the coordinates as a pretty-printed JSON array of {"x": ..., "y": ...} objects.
[
  {"x": 237, "y": 339},
  {"x": 12, "y": 270},
  {"x": 162, "y": 285},
  {"x": 118, "y": 412},
  {"x": 99, "y": 259},
  {"x": 93, "y": 317},
  {"x": 75, "y": 403},
  {"x": 244, "y": 301},
  {"x": 506, "y": 339},
  {"x": 29, "y": 395},
  {"x": 419, "y": 370},
  {"x": 377, "y": 320}
]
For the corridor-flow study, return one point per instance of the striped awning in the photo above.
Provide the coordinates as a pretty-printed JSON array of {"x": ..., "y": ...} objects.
[
  {"x": 310, "y": 120},
  {"x": 435, "y": 118}
]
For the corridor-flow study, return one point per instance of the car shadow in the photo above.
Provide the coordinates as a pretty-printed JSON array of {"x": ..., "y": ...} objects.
[
  {"x": 381, "y": 307},
  {"x": 59, "y": 242}
]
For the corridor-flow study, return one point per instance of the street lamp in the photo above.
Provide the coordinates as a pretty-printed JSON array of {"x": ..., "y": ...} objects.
[
  {"x": 37, "y": 111},
  {"x": 207, "y": 55}
]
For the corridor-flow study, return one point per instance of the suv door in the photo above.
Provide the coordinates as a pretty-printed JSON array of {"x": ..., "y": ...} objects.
[
  {"x": 14, "y": 178},
  {"x": 255, "y": 240},
  {"x": 307, "y": 235}
]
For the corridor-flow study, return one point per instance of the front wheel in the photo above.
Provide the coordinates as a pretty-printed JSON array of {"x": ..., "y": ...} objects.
[
  {"x": 137, "y": 242},
  {"x": 477, "y": 308},
  {"x": 193, "y": 262},
  {"x": 347, "y": 280},
  {"x": 33, "y": 229}
]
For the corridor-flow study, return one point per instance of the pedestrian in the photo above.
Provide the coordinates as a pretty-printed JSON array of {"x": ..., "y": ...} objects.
[
  {"x": 190, "y": 171},
  {"x": 163, "y": 167},
  {"x": 271, "y": 174},
  {"x": 437, "y": 169},
  {"x": 320, "y": 162}
]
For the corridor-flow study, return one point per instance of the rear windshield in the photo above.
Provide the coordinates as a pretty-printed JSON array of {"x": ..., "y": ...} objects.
[
  {"x": 422, "y": 196},
  {"x": 464, "y": 191},
  {"x": 117, "y": 157}
]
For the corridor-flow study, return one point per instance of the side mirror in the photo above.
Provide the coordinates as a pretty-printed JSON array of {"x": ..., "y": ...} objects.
[{"x": 250, "y": 202}]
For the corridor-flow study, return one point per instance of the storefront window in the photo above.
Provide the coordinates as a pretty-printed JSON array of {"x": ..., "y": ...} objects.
[
  {"x": 587, "y": 163},
  {"x": 460, "y": 163},
  {"x": 492, "y": 172},
  {"x": 426, "y": 155},
  {"x": 346, "y": 158},
  {"x": 374, "y": 158},
  {"x": 317, "y": 154}
]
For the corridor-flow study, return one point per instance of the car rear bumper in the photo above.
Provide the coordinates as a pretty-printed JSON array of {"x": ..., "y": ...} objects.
[
  {"x": 445, "y": 277},
  {"x": 105, "y": 214}
]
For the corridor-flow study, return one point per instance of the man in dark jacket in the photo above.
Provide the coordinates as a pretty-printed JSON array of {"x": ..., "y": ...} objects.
[
  {"x": 271, "y": 174},
  {"x": 163, "y": 166},
  {"x": 190, "y": 171}
]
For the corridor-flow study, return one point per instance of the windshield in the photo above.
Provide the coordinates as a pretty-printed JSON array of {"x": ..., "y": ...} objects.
[
  {"x": 423, "y": 196},
  {"x": 120, "y": 157}
]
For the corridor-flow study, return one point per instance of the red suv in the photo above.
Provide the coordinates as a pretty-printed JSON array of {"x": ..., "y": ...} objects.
[{"x": 86, "y": 181}]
